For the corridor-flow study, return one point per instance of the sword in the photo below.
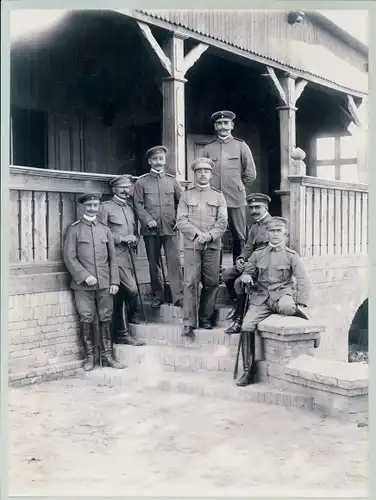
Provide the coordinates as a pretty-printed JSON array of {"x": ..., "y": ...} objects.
[
  {"x": 137, "y": 283},
  {"x": 161, "y": 264},
  {"x": 241, "y": 337}
]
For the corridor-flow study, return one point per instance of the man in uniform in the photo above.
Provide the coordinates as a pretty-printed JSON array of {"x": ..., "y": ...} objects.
[
  {"x": 202, "y": 218},
  {"x": 233, "y": 174},
  {"x": 89, "y": 255},
  {"x": 258, "y": 206},
  {"x": 118, "y": 214},
  {"x": 270, "y": 271},
  {"x": 156, "y": 197}
]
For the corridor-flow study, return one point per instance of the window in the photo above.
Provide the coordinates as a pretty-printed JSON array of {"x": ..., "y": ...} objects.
[
  {"x": 336, "y": 158},
  {"x": 28, "y": 137}
]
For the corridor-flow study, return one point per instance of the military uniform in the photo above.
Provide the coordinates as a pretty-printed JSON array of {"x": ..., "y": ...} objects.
[
  {"x": 233, "y": 174},
  {"x": 272, "y": 269},
  {"x": 201, "y": 210},
  {"x": 119, "y": 215},
  {"x": 89, "y": 251},
  {"x": 156, "y": 196}
]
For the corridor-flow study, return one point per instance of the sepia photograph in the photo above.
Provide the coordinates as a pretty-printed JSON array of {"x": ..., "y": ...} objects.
[{"x": 188, "y": 252}]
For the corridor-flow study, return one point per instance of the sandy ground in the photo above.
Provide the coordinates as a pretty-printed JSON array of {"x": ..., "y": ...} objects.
[{"x": 76, "y": 437}]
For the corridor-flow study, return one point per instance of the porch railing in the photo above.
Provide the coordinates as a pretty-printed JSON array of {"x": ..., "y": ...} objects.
[
  {"x": 42, "y": 205},
  {"x": 328, "y": 218}
]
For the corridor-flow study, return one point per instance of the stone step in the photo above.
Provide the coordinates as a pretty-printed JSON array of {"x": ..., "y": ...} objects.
[
  {"x": 203, "y": 383},
  {"x": 168, "y": 313},
  {"x": 170, "y": 334},
  {"x": 183, "y": 358}
]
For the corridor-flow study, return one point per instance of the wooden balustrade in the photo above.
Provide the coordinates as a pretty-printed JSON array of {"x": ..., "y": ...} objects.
[
  {"x": 328, "y": 218},
  {"x": 42, "y": 205}
]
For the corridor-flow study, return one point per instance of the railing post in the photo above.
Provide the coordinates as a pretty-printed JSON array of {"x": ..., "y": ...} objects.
[{"x": 297, "y": 203}]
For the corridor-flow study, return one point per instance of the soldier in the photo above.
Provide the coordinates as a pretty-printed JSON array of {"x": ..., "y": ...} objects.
[
  {"x": 118, "y": 213},
  {"x": 273, "y": 268},
  {"x": 258, "y": 236},
  {"x": 233, "y": 174},
  {"x": 89, "y": 255},
  {"x": 156, "y": 197},
  {"x": 202, "y": 218}
]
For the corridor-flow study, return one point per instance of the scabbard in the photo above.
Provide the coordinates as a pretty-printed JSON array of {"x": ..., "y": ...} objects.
[{"x": 240, "y": 343}]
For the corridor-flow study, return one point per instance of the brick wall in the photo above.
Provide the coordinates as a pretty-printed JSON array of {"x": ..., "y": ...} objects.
[
  {"x": 43, "y": 337},
  {"x": 340, "y": 286}
]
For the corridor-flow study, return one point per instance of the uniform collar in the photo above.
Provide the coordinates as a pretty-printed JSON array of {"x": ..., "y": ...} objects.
[
  {"x": 120, "y": 201},
  {"x": 89, "y": 222},
  {"x": 226, "y": 139},
  {"x": 276, "y": 248},
  {"x": 154, "y": 173},
  {"x": 264, "y": 219},
  {"x": 204, "y": 188}
]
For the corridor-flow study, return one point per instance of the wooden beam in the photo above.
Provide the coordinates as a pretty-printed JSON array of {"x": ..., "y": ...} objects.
[
  {"x": 155, "y": 47},
  {"x": 353, "y": 110},
  {"x": 299, "y": 87},
  {"x": 278, "y": 87},
  {"x": 193, "y": 56}
]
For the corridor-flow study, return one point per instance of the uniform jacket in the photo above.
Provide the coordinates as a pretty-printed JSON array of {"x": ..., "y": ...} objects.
[
  {"x": 202, "y": 209},
  {"x": 121, "y": 220},
  {"x": 257, "y": 236},
  {"x": 156, "y": 197},
  {"x": 234, "y": 171},
  {"x": 89, "y": 250},
  {"x": 272, "y": 270}
]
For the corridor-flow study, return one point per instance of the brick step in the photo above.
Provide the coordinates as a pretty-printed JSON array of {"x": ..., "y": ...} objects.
[
  {"x": 170, "y": 334},
  {"x": 168, "y": 313},
  {"x": 69, "y": 368},
  {"x": 184, "y": 358},
  {"x": 203, "y": 383}
]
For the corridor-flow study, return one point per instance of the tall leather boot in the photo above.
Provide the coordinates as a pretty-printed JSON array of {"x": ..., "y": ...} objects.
[
  {"x": 134, "y": 310},
  {"x": 106, "y": 347},
  {"x": 236, "y": 326},
  {"x": 249, "y": 375},
  {"x": 87, "y": 340}
]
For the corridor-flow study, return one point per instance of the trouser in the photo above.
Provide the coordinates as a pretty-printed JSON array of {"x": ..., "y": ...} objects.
[
  {"x": 170, "y": 245},
  {"x": 89, "y": 301},
  {"x": 200, "y": 266},
  {"x": 231, "y": 278},
  {"x": 237, "y": 223},
  {"x": 127, "y": 294},
  {"x": 285, "y": 306}
]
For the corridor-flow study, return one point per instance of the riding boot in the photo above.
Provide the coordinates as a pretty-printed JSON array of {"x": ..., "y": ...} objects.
[
  {"x": 106, "y": 347},
  {"x": 87, "y": 340},
  {"x": 238, "y": 317},
  {"x": 134, "y": 310},
  {"x": 124, "y": 336},
  {"x": 249, "y": 364}
]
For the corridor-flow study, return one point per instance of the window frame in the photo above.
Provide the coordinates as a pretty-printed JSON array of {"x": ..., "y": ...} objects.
[{"x": 337, "y": 161}]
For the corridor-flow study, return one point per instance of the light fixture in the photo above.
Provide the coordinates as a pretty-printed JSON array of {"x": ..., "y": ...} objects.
[{"x": 295, "y": 17}]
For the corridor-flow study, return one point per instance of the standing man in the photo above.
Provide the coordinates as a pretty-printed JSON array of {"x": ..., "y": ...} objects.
[
  {"x": 258, "y": 204},
  {"x": 89, "y": 255},
  {"x": 156, "y": 197},
  {"x": 202, "y": 218},
  {"x": 233, "y": 174},
  {"x": 270, "y": 271},
  {"x": 118, "y": 214}
]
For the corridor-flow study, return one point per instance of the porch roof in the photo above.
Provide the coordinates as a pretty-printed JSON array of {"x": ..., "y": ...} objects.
[{"x": 249, "y": 30}]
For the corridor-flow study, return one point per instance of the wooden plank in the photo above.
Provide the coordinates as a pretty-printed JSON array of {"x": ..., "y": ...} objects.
[
  {"x": 68, "y": 212},
  {"x": 351, "y": 216},
  {"x": 324, "y": 222},
  {"x": 40, "y": 227},
  {"x": 308, "y": 250},
  {"x": 53, "y": 227},
  {"x": 316, "y": 222},
  {"x": 338, "y": 223},
  {"x": 345, "y": 223},
  {"x": 331, "y": 215},
  {"x": 14, "y": 227},
  {"x": 358, "y": 222},
  {"x": 364, "y": 236},
  {"x": 26, "y": 226},
  {"x": 65, "y": 147}
]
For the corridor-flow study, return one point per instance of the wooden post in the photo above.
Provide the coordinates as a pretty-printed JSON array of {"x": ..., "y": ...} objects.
[
  {"x": 288, "y": 90},
  {"x": 173, "y": 135},
  {"x": 174, "y": 65}
]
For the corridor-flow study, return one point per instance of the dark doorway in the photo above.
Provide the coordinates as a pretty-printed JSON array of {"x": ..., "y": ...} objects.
[
  {"x": 29, "y": 128},
  {"x": 358, "y": 335}
]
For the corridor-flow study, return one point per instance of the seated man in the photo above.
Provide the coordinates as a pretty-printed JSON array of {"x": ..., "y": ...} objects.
[
  {"x": 258, "y": 236},
  {"x": 270, "y": 271}
]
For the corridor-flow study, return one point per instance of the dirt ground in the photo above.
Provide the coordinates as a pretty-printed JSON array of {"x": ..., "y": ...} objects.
[{"x": 77, "y": 437}]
